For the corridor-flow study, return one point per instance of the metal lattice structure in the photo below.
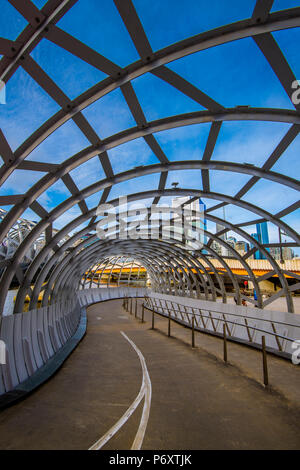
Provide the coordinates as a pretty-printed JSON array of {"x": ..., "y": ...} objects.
[
  {"x": 115, "y": 271},
  {"x": 16, "y": 235},
  {"x": 66, "y": 260}
]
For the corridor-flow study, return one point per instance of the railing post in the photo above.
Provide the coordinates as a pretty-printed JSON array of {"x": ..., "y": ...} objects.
[
  {"x": 193, "y": 331},
  {"x": 130, "y": 305},
  {"x": 152, "y": 328},
  {"x": 212, "y": 321},
  {"x": 276, "y": 337},
  {"x": 225, "y": 343},
  {"x": 143, "y": 309},
  {"x": 248, "y": 331},
  {"x": 195, "y": 317},
  {"x": 265, "y": 363},
  {"x": 169, "y": 324},
  {"x": 135, "y": 311},
  {"x": 228, "y": 330}
]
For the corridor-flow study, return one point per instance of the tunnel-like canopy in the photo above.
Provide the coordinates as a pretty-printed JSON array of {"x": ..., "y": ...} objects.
[{"x": 126, "y": 97}]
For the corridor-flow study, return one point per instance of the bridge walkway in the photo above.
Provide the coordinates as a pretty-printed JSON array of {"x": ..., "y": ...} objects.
[{"x": 197, "y": 402}]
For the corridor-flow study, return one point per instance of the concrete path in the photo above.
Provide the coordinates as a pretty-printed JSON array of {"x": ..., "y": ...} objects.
[{"x": 193, "y": 400}]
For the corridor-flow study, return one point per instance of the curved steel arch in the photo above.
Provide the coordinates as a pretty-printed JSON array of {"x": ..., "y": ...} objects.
[
  {"x": 168, "y": 254},
  {"x": 17, "y": 53},
  {"x": 65, "y": 274},
  {"x": 10, "y": 271},
  {"x": 45, "y": 270},
  {"x": 281, "y": 20},
  {"x": 106, "y": 249},
  {"x": 51, "y": 178}
]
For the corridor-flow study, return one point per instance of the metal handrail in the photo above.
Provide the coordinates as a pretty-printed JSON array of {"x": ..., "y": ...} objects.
[
  {"x": 191, "y": 325},
  {"x": 238, "y": 315},
  {"x": 225, "y": 321}
]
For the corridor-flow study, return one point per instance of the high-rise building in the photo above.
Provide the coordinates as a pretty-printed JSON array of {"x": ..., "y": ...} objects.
[
  {"x": 220, "y": 228},
  {"x": 231, "y": 241},
  {"x": 223, "y": 250},
  {"x": 287, "y": 253},
  {"x": 262, "y": 236},
  {"x": 257, "y": 253},
  {"x": 242, "y": 247},
  {"x": 217, "y": 248},
  {"x": 197, "y": 220},
  {"x": 262, "y": 230}
]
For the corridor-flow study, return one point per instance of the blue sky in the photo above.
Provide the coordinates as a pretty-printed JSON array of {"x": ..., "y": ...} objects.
[{"x": 233, "y": 74}]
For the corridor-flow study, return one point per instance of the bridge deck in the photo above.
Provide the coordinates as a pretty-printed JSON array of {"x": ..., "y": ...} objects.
[{"x": 197, "y": 401}]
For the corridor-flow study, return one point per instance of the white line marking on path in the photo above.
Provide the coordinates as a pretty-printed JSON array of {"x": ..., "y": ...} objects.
[
  {"x": 145, "y": 391},
  {"x": 138, "y": 441}
]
